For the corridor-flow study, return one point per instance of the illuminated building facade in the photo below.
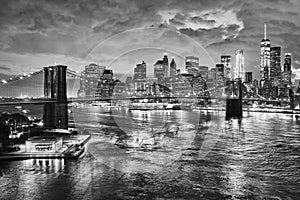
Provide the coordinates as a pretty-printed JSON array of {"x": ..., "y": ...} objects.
[
  {"x": 199, "y": 85},
  {"x": 166, "y": 66},
  {"x": 220, "y": 73},
  {"x": 265, "y": 48},
  {"x": 172, "y": 68},
  {"x": 287, "y": 62},
  {"x": 248, "y": 77},
  {"x": 89, "y": 80},
  {"x": 203, "y": 70},
  {"x": 287, "y": 69},
  {"x": 191, "y": 61},
  {"x": 238, "y": 71},
  {"x": 182, "y": 85},
  {"x": 44, "y": 144},
  {"x": 139, "y": 77},
  {"x": 194, "y": 71},
  {"x": 275, "y": 64},
  {"x": 159, "y": 71},
  {"x": 220, "y": 82},
  {"x": 106, "y": 84},
  {"x": 212, "y": 78},
  {"x": 226, "y": 61},
  {"x": 119, "y": 89}
]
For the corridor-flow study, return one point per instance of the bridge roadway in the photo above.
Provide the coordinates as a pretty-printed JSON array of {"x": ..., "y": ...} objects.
[{"x": 42, "y": 101}]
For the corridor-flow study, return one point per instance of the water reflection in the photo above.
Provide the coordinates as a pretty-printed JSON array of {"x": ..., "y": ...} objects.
[{"x": 208, "y": 158}]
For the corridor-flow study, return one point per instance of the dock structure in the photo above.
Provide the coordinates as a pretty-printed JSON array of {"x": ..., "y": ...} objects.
[{"x": 73, "y": 151}]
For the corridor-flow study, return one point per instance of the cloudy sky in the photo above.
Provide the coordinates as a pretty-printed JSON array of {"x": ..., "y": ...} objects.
[{"x": 121, "y": 33}]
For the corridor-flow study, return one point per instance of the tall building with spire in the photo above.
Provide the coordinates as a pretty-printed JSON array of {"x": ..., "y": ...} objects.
[{"x": 265, "y": 48}]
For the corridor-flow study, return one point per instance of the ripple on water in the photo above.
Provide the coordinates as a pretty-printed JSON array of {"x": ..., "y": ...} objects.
[{"x": 251, "y": 159}]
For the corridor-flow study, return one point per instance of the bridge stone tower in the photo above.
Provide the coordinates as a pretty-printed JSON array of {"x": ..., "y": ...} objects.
[
  {"x": 55, "y": 88},
  {"x": 234, "y": 103}
]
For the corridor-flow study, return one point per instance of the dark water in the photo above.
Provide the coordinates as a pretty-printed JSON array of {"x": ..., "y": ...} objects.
[{"x": 208, "y": 158}]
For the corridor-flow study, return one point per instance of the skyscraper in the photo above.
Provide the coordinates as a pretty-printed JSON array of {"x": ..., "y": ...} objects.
[
  {"x": 191, "y": 61},
  {"x": 275, "y": 63},
  {"x": 204, "y": 72},
  {"x": 173, "y": 68},
  {"x": 89, "y": 80},
  {"x": 220, "y": 73},
  {"x": 166, "y": 66},
  {"x": 140, "y": 72},
  {"x": 212, "y": 74},
  {"x": 212, "y": 78},
  {"x": 287, "y": 62},
  {"x": 265, "y": 47},
  {"x": 106, "y": 84},
  {"x": 287, "y": 69},
  {"x": 194, "y": 71},
  {"x": 159, "y": 71},
  {"x": 139, "y": 76},
  {"x": 238, "y": 71},
  {"x": 248, "y": 77},
  {"x": 226, "y": 61}
]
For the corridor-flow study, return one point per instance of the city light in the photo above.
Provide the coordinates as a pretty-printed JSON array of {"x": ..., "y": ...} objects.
[{"x": 169, "y": 99}]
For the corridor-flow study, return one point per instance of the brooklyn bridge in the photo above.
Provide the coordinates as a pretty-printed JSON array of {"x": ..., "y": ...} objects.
[{"x": 52, "y": 83}]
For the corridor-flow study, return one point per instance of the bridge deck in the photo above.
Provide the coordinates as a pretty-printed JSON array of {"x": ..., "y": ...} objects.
[{"x": 42, "y": 101}]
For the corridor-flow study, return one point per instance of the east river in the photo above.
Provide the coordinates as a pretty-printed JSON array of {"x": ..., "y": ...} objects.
[{"x": 167, "y": 155}]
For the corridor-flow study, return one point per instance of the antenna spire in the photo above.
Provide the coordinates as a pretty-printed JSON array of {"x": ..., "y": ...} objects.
[{"x": 265, "y": 32}]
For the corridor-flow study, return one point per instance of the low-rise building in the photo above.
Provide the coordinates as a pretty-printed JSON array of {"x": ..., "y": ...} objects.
[{"x": 44, "y": 144}]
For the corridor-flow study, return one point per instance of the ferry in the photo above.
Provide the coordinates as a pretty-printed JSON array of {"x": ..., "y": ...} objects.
[{"x": 173, "y": 106}]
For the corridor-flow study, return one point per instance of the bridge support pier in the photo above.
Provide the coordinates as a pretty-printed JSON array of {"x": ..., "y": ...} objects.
[
  {"x": 292, "y": 99},
  {"x": 234, "y": 104},
  {"x": 55, "y": 87}
]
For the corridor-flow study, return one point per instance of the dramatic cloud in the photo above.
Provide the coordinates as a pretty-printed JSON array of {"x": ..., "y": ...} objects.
[{"x": 36, "y": 33}]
